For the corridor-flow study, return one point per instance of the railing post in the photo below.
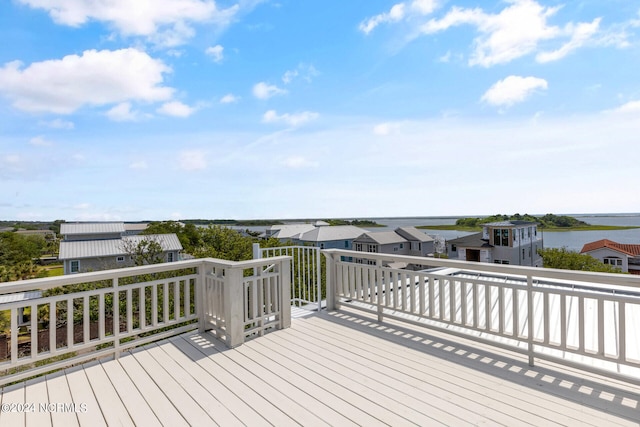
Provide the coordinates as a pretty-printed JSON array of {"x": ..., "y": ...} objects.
[
  {"x": 257, "y": 253},
  {"x": 318, "y": 277},
  {"x": 531, "y": 318},
  {"x": 285, "y": 294},
  {"x": 379, "y": 288},
  {"x": 201, "y": 297},
  {"x": 116, "y": 319},
  {"x": 331, "y": 281},
  {"x": 234, "y": 306}
]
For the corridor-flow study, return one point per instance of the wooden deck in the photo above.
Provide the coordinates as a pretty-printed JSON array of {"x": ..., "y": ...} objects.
[{"x": 337, "y": 368}]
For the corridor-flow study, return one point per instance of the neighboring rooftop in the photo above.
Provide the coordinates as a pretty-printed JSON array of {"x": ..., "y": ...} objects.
[
  {"x": 383, "y": 237},
  {"x": 412, "y": 233},
  {"x": 332, "y": 233},
  {"x": 628, "y": 249},
  {"x": 473, "y": 240},
  {"x": 70, "y": 228},
  {"x": 513, "y": 223},
  {"x": 113, "y": 247}
]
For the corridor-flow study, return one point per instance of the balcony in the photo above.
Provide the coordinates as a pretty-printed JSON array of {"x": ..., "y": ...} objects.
[{"x": 207, "y": 342}]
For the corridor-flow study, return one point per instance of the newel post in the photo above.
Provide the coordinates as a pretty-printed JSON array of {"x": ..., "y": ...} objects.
[
  {"x": 285, "y": 293},
  {"x": 331, "y": 281},
  {"x": 233, "y": 306}
]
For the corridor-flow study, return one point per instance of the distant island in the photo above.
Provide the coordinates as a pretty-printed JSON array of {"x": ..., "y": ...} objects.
[{"x": 548, "y": 222}]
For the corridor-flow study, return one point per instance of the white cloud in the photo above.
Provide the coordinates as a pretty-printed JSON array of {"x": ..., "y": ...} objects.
[
  {"x": 58, "y": 124},
  {"x": 385, "y": 128},
  {"x": 299, "y": 162},
  {"x": 632, "y": 107},
  {"x": 164, "y": 21},
  {"x": 512, "y": 90},
  {"x": 229, "y": 99},
  {"x": 263, "y": 90},
  {"x": 40, "y": 141},
  {"x": 517, "y": 30},
  {"x": 580, "y": 35},
  {"x": 192, "y": 160},
  {"x": 395, "y": 14},
  {"x": 295, "y": 119},
  {"x": 122, "y": 113},
  {"x": 216, "y": 52},
  {"x": 140, "y": 165},
  {"x": 398, "y": 12},
  {"x": 95, "y": 78},
  {"x": 176, "y": 109},
  {"x": 304, "y": 71}
]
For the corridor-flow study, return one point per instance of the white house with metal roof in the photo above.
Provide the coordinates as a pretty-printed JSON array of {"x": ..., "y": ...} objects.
[
  {"x": 401, "y": 241},
  {"x": 332, "y": 237},
  {"x": 103, "y": 246}
]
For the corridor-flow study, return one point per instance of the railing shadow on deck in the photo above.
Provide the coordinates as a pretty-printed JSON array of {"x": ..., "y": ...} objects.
[{"x": 614, "y": 397}]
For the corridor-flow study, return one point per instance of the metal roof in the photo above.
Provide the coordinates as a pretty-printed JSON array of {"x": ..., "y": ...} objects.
[
  {"x": 289, "y": 231},
  {"x": 331, "y": 233},
  {"x": 91, "y": 227},
  {"x": 113, "y": 247},
  {"x": 384, "y": 237},
  {"x": 513, "y": 223},
  {"x": 412, "y": 233}
]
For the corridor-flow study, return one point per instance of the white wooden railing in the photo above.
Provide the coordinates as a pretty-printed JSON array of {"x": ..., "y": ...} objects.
[
  {"x": 74, "y": 318},
  {"x": 586, "y": 320},
  {"x": 306, "y": 272}
]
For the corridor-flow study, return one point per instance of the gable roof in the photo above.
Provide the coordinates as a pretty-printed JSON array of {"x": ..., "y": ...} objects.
[
  {"x": 412, "y": 233},
  {"x": 331, "y": 233},
  {"x": 626, "y": 248},
  {"x": 290, "y": 231},
  {"x": 471, "y": 241},
  {"x": 113, "y": 247},
  {"x": 91, "y": 227},
  {"x": 382, "y": 237}
]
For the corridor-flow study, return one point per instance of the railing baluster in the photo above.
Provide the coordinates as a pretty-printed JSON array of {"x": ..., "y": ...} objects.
[
  {"x": 622, "y": 332},
  {"x": 34, "y": 331},
  {"x": 86, "y": 320},
  {"x": 165, "y": 302},
  {"x": 53, "y": 326},
  {"x": 601, "y": 320},
  {"x": 14, "y": 335},
  {"x": 546, "y": 315},
  {"x": 176, "y": 299},
  {"x": 563, "y": 321},
  {"x": 581, "y": 319}
]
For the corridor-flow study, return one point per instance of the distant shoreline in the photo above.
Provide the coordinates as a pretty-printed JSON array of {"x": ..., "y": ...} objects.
[{"x": 548, "y": 229}]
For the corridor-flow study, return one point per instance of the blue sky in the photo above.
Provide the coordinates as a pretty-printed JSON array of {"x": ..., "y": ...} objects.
[{"x": 175, "y": 109}]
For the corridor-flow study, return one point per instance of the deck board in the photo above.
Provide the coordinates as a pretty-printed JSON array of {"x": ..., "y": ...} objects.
[{"x": 340, "y": 368}]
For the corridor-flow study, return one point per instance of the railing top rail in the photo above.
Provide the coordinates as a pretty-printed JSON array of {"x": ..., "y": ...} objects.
[
  {"x": 72, "y": 279},
  {"x": 543, "y": 273}
]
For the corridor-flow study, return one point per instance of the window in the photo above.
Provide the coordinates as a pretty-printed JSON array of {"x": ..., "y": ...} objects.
[
  {"x": 372, "y": 248},
  {"x": 359, "y": 247},
  {"x": 419, "y": 246},
  {"x": 120, "y": 258},
  {"x": 522, "y": 233},
  {"x": 170, "y": 257},
  {"x": 395, "y": 249},
  {"x": 75, "y": 266},
  {"x": 501, "y": 236},
  {"x": 371, "y": 262},
  {"x": 529, "y": 232},
  {"x": 613, "y": 261},
  {"x": 401, "y": 245},
  {"x": 505, "y": 261},
  {"x": 346, "y": 244},
  {"x": 454, "y": 248},
  {"x": 321, "y": 245},
  {"x": 522, "y": 252}
]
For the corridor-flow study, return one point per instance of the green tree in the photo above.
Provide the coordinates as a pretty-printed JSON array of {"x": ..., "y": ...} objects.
[
  {"x": 146, "y": 251},
  {"x": 563, "y": 258}
]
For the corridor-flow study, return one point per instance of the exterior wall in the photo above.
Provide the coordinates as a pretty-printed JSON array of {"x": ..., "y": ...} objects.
[
  {"x": 602, "y": 253},
  {"x": 334, "y": 244},
  {"x": 485, "y": 254},
  {"x": 108, "y": 263},
  {"x": 420, "y": 248}
]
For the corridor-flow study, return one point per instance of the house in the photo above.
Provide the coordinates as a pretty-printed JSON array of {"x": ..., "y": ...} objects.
[
  {"x": 287, "y": 232},
  {"x": 401, "y": 241},
  {"x": 503, "y": 242},
  {"x": 333, "y": 237},
  {"x": 624, "y": 256},
  {"x": 106, "y": 245}
]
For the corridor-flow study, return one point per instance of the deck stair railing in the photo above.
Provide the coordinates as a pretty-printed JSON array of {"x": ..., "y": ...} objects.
[
  {"x": 55, "y": 322},
  {"x": 586, "y": 320}
]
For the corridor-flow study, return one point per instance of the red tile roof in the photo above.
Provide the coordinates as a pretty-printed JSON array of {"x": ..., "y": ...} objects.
[{"x": 629, "y": 249}]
